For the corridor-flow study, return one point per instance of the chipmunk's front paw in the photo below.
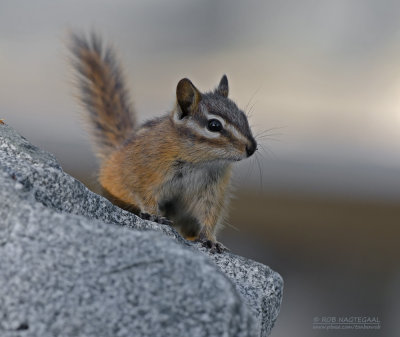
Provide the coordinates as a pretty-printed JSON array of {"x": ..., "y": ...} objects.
[
  {"x": 155, "y": 218},
  {"x": 213, "y": 247}
]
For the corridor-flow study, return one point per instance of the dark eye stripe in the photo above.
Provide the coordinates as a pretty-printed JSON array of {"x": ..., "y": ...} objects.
[{"x": 225, "y": 133}]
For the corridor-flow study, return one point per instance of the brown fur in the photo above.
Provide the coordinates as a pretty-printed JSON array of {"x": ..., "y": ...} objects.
[
  {"x": 102, "y": 93},
  {"x": 126, "y": 174}
]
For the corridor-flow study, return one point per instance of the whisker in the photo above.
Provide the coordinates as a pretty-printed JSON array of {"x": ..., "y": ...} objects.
[
  {"x": 260, "y": 174},
  {"x": 227, "y": 224},
  {"x": 248, "y": 170},
  {"x": 252, "y": 97},
  {"x": 267, "y": 150},
  {"x": 260, "y": 154},
  {"x": 251, "y": 110},
  {"x": 270, "y": 129},
  {"x": 268, "y": 138},
  {"x": 269, "y": 134}
]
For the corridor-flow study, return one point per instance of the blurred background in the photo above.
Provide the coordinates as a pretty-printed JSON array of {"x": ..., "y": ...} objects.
[{"x": 320, "y": 203}]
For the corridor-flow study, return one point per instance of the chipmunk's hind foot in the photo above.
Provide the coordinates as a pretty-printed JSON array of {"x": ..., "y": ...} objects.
[
  {"x": 212, "y": 246},
  {"x": 155, "y": 218}
]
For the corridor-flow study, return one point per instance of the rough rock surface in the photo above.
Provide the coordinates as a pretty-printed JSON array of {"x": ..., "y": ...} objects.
[{"x": 66, "y": 269}]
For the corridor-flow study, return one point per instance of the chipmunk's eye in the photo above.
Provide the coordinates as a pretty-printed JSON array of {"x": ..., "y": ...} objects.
[{"x": 214, "y": 125}]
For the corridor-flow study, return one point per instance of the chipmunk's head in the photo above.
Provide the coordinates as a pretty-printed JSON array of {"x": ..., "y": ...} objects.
[{"x": 215, "y": 127}]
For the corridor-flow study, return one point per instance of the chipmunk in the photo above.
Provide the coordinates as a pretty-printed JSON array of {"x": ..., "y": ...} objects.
[{"x": 176, "y": 166}]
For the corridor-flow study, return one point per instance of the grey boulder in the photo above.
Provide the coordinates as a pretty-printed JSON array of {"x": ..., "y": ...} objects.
[{"x": 73, "y": 264}]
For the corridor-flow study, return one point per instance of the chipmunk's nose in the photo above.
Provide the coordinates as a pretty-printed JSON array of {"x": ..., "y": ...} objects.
[{"x": 250, "y": 149}]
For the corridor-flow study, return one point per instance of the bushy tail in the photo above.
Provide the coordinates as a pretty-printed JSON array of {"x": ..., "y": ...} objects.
[{"x": 102, "y": 92}]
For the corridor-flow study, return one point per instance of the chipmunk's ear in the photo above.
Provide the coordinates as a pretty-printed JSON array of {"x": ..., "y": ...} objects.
[
  {"x": 223, "y": 87},
  {"x": 187, "y": 96}
]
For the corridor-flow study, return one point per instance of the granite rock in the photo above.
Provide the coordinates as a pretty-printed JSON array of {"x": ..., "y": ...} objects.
[{"x": 73, "y": 264}]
